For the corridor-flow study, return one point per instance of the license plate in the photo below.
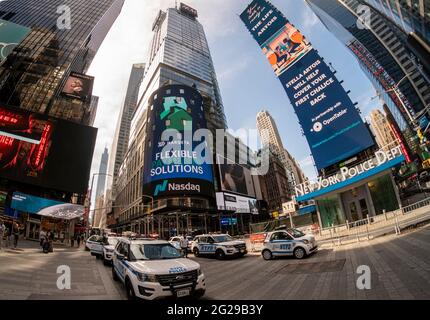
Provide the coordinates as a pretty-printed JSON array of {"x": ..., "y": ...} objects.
[{"x": 183, "y": 293}]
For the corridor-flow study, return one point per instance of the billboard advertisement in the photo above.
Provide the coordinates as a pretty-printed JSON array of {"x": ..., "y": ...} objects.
[
  {"x": 11, "y": 35},
  {"x": 45, "y": 151},
  {"x": 330, "y": 122},
  {"x": 31, "y": 204},
  {"x": 238, "y": 204},
  {"x": 236, "y": 178},
  {"x": 173, "y": 166},
  {"x": 78, "y": 86}
]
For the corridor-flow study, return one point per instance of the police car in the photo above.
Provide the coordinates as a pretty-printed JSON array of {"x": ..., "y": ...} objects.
[
  {"x": 152, "y": 269},
  {"x": 219, "y": 245},
  {"x": 290, "y": 242},
  {"x": 108, "y": 249}
]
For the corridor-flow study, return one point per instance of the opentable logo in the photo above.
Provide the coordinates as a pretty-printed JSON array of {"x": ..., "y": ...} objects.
[{"x": 161, "y": 187}]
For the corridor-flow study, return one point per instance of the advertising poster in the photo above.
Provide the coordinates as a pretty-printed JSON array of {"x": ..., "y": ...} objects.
[
  {"x": 78, "y": 86},
  {"x": 236, "y": 178},
  {"x": 176, "y": 165},
  {"x": 331, "y": 123},
  {"x": 11, "y": 35},
  {"x": 31, "y": 204},
  {"x": 32, "y": 145},
  {"x": 238, "y": 204}
]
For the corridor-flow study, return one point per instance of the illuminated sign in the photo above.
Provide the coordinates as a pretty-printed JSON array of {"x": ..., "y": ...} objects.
[{"x": 330, "y": 122}]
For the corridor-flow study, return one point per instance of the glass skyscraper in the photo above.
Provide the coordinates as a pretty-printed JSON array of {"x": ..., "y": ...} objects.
[
  {"x": 34, "y": 74},
  {"x": 381, "y": 49},
  {"x": 178, "y": 54}
]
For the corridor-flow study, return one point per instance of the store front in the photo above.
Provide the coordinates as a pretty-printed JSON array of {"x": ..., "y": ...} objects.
[{"x": 353, "y": 194}]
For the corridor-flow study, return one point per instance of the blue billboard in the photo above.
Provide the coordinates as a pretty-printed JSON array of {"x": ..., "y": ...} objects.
[
  {"x": 330, "y": 122},
  {"x": 11, "y": 35},
  {"x": 31, "y": 204},
  {"x": 175, "y": 160}
]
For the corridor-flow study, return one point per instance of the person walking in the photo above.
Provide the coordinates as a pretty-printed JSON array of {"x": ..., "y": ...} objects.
[
  {"x": 2, "y": 232},
  {"x": 72, "y": 241},
  {"x": 15, "y": 232},
  {"x": 78, "y": 240},
  {"x": 184, "y": 245}
]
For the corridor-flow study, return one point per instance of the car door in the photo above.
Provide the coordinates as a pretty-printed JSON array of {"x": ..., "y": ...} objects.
[
  {"x": 282, "y": 243},
  {"x": 119, "y": 264},
  {"x": 91, "y": 241},
  {"x": 206, "y": 245}
]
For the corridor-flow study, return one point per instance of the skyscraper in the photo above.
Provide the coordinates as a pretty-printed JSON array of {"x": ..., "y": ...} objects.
[
  {"x": 101, "y": 180},
  {"x": 178, "y": 54},
  {"x": 382, "y": 131},
  {"x": 381, "y": 49},
  {"x": 34, "y": 74},
  {"x": 270, "y": 136},
  {"x": 122, "y": 133}
]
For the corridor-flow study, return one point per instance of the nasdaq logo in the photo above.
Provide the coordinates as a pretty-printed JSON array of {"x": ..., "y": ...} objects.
[{"x": 161, "y": 187}]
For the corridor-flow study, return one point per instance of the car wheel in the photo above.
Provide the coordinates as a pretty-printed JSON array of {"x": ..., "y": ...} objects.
[
  {"x": 267, "y": 255},
  {"x": 114, "y": 275},
  {"x": 105, "y": 262},
  {"x": 196, "y": 252},
  {"x": 129, "y": 289},
  {"x": 299, "y": 253},
  {"x": 87, "y": 249},
  {"x": 199, "y": 294},
  {"x": 219, "y": 254}
]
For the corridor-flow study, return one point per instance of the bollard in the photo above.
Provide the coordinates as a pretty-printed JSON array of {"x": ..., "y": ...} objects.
[
  {"x": 385, "y": 214},
  {"x": 347, "y": 225},
  {"x": 367, "y": 231},
  {"x": 358, "y": 238},
  {"x": 397, "y": 226}
]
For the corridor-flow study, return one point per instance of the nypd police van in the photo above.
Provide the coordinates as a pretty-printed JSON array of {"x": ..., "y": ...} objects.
[
  {"x": 218, "y": 245},
  {"x": 152, "y": 269},
  {"x": 289, "y": 242}
]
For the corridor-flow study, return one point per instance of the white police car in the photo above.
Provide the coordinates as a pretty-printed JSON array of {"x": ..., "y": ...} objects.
[
  {"x": 108, "y": 249},
  {"x": 290, "y": 242},
  {"x": 152, "y": 269},
  {"x": 220, "y": 245}
]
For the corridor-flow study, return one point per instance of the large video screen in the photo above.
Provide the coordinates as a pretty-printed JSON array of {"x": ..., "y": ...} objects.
[
  {"x": 11, "y": 35},
  {"x": 45, "y": 151},
  {"x": 78, "y": 86},
  {"x": 331, "y": 123},
  {"x": 173, "y": 166},
  {"x": 236, "y": 178}
]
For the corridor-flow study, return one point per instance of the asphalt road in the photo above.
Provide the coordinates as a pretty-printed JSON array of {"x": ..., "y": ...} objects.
[{"x": 399, "y": 266}]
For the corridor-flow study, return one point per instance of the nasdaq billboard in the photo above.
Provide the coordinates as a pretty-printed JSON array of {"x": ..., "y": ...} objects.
[
  {"x": 175, "y": 158},
  {"x": 331, "y": 123}
]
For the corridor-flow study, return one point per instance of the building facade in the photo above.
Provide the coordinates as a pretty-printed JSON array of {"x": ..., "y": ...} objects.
[
  {"x": 381, "y": 129},
  {"x": 101, "y": 180},
  {"x": 382, "y": 50},
  {"x": 178, "y": 54}
]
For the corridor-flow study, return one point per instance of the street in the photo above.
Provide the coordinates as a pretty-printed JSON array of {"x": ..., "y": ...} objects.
[{"x": 400, "y": 269}]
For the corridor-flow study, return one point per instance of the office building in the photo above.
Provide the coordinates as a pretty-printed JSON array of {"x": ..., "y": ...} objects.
[
  {"x": 178, "y": 54},
  {"x": 35, "y": 74},
  {"x": 380, "y": 126},
  {"x": 101, "y": 180},
  {"x": 270, "y": 136},
  {"x": 382, "y": 51}
]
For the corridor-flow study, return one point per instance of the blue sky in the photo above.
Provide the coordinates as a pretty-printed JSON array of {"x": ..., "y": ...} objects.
[{"x": 246, "y": 79}]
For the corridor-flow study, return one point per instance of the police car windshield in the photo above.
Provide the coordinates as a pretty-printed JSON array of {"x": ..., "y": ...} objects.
[
  {"x": 154, "y": 252},
  {"x": 223, "y": 238},
  {"x": 296, "y": 233}
]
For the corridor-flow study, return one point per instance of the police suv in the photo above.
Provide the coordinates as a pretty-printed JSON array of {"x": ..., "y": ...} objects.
[
  {"x": 289, "y": 242},
  {"x": 220, "y": 245},
  {"x": 152, "y": 269}
]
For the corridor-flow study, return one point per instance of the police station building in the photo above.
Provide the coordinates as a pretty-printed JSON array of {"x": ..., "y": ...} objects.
[{"x": 355, "y": 192}]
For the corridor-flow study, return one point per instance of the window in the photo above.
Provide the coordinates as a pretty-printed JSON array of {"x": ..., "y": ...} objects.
[{"x": 281, "y": 236}]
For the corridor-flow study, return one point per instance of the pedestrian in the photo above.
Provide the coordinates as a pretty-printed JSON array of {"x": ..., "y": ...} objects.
[
  {"x": 42, "y": 236},
  {"x": 51, "y": 238},
  {"x": 72, "y": 241},
  {"x": 184, "y": 245},
  {"x": 2, "y": 231},
  {"x": 7, "y": 235},
  {"x": 15, "y": 232},
  {"x": 78, "y": 239}
]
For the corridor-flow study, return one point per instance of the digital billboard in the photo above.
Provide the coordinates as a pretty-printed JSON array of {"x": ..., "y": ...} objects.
[
  {"x": 31, "y": 204},
  {"x": 11, "y": 35},
  {"x": 236, "y": 178},
  {"x": 330, "y": 122},
  {"x": 78, "y": 86},
  {"x": 238, "y": 204},
  {"x": 45, "y": 151},
  {"x": 176, "y": 165}
]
